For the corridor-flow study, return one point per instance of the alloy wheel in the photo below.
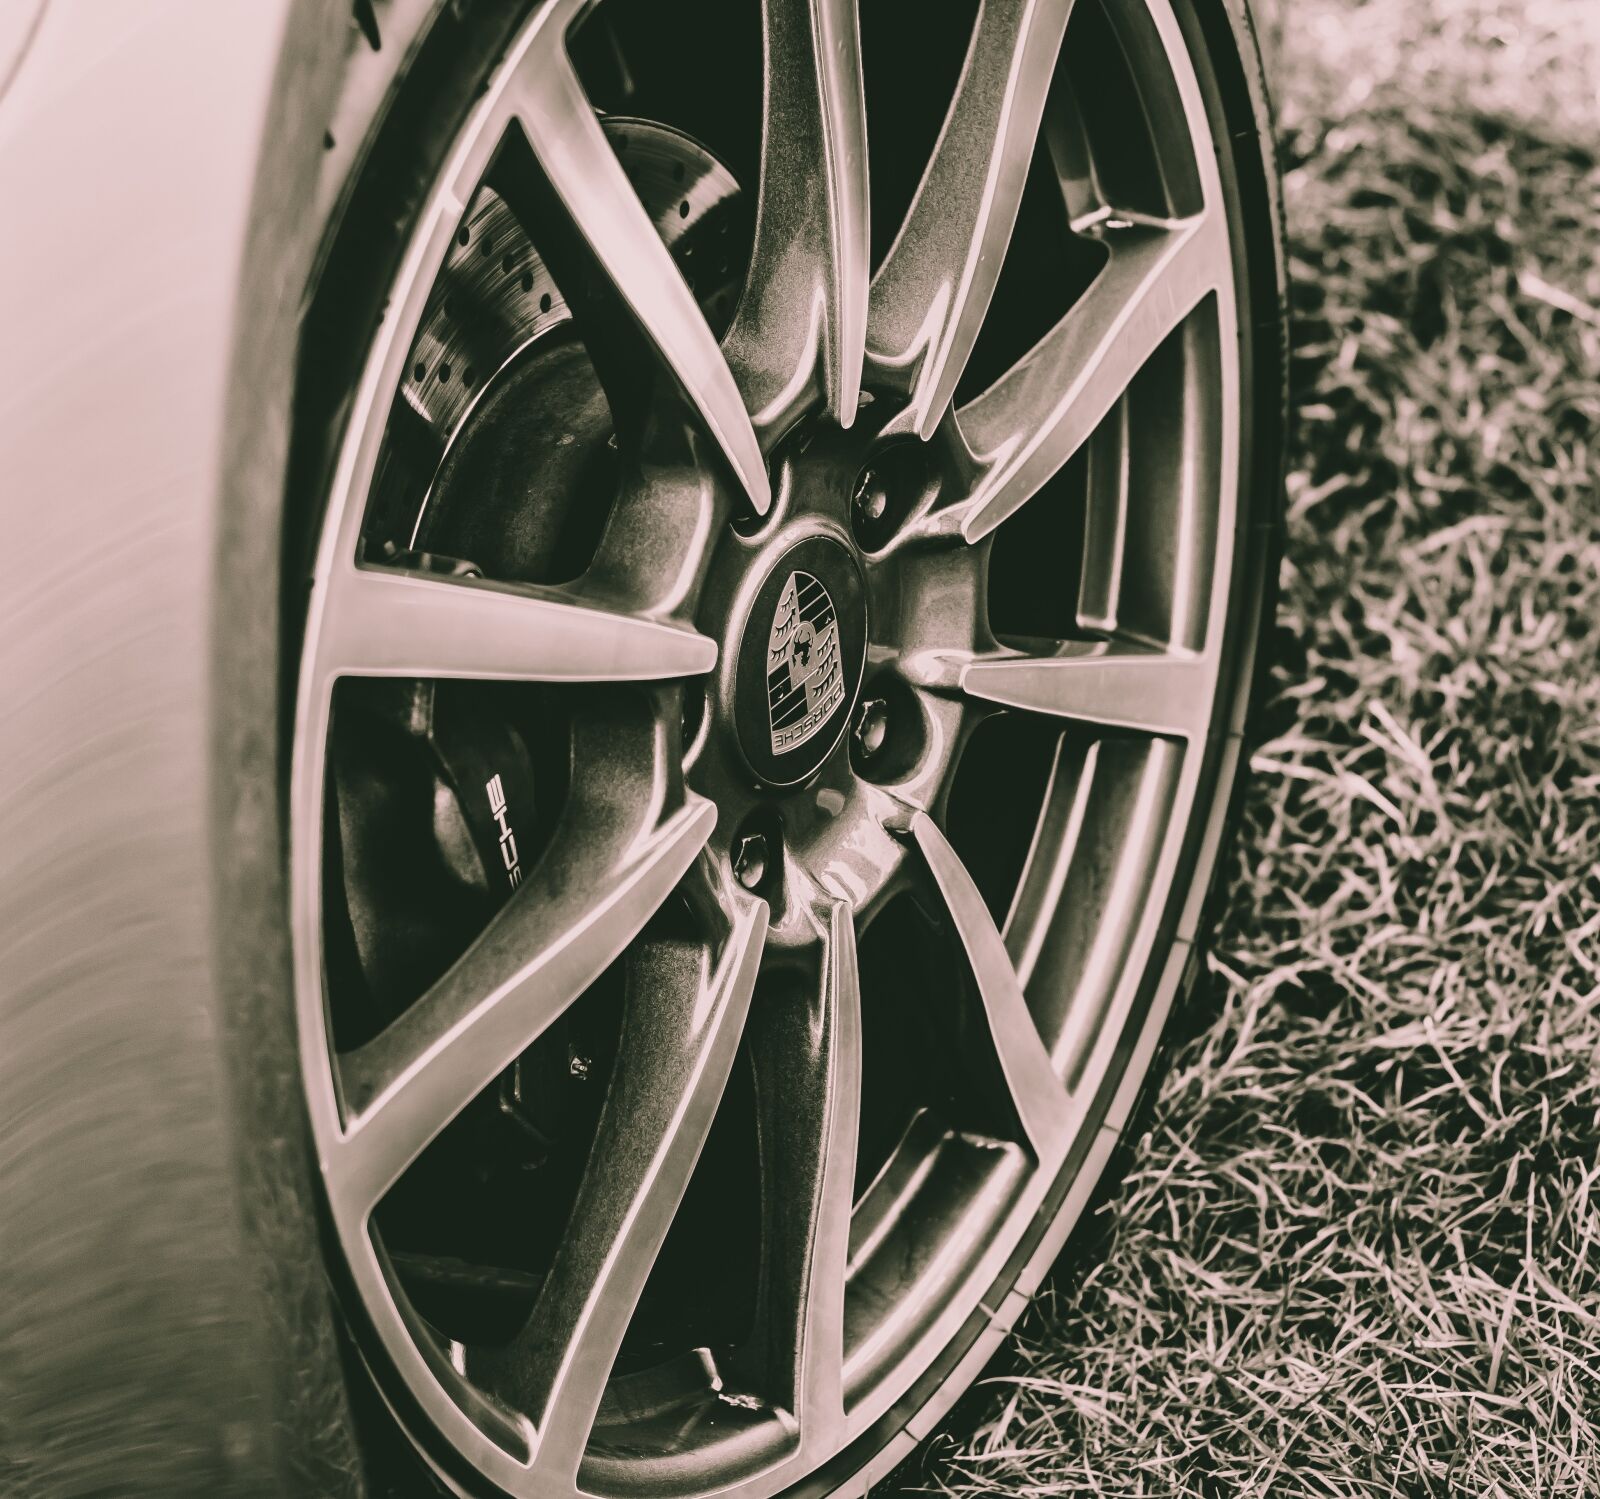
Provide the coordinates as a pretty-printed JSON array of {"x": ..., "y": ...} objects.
[{"x": 759, "y": 687}]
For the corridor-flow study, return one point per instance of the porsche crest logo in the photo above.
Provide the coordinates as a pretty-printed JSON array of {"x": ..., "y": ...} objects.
[{"x": 805, "y": 678}]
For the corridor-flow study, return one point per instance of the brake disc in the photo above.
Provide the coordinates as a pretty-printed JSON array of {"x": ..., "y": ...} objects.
[
  {"x": 501, "y": 409},
  {"x": 499, "y": 403}
]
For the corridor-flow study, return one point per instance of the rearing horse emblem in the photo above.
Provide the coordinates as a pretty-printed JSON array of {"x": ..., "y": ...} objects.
[{"x": 805, "y": 678}]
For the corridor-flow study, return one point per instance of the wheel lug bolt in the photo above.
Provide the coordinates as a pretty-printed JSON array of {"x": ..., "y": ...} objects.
[
  {"x": 871, "y": 726},
  {"x": 871, "y": 498},
  {"x": 750, "y": 859}
]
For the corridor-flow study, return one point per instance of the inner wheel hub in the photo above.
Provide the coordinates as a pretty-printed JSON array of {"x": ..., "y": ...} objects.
[{"x": 800, "y": 653}]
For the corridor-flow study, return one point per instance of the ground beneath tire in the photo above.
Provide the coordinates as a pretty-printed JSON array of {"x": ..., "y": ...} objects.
[{"x": 1359, "y": 1253}]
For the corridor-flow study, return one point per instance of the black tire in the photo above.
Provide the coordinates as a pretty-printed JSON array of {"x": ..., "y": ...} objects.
[{"x": 168, "y": 1321}]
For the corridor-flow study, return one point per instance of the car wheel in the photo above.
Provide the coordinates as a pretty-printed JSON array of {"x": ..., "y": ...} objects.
[{"x": 722, "y": 694}]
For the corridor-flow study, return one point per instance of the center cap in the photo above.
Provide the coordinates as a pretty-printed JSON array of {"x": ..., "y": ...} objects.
[{"x": 800, "y": 660}]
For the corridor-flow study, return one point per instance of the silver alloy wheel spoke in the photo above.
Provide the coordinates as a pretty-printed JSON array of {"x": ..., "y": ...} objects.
[
  {"x": 394, "y": 622},
  {"x": 807, "y": 1056},
  {"x": 804, "y": 309},
  {"x": 611, "y": 242},
  {"x": 1037, "y": 1094},
  {"x": 683, "y": 1017},
  {"x": 1113, "y": 686},
  {"x": 821, "y": 1409},
  {"x": 1032, "y": 420},
  {"x": 932, "y": 292},
  {"x": 584, "y": 901}
]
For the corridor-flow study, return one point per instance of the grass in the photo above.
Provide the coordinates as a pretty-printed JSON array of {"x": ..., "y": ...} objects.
[{"x": 1359, "y": 1252}]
